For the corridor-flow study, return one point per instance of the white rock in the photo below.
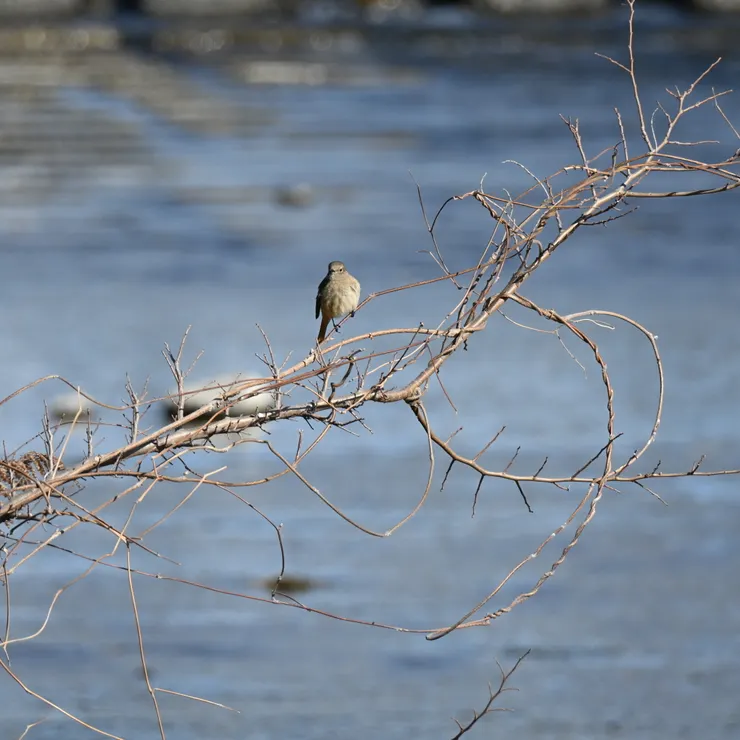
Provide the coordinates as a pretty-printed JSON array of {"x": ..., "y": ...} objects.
[
  {"x": 65, "y": 407},
  {"x": 214, "y": 389}
]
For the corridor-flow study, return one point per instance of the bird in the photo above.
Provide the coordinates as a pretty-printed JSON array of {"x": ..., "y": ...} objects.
[{"x": 338, "y": 294}]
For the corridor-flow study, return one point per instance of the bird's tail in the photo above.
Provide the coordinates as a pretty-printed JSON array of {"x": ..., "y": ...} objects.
[{"x": 322, "y": 329}]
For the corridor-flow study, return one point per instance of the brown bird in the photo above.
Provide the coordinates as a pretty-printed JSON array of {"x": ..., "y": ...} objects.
[{"x": 338, "y": 294}]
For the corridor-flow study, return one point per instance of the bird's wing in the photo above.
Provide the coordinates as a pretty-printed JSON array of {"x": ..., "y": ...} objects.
[{"x": 322, "y": 285}]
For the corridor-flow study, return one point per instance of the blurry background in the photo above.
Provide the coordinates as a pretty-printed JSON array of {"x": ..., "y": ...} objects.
[{"x": 160, "y": 168}]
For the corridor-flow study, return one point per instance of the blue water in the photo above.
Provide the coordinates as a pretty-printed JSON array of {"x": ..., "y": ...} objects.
[{"x": 136, "y": 206}]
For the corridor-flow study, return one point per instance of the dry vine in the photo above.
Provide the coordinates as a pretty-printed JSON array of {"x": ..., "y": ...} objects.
[{"x": 38, "y": 504}]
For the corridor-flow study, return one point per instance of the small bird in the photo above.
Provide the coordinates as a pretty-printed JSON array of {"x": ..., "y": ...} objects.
[{"x": 338, "y": 294}]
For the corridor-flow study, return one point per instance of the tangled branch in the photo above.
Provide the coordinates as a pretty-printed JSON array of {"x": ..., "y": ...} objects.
[{"x": 333, "y": 387}]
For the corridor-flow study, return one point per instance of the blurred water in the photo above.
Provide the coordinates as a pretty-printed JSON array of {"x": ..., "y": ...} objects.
[{"x": 142, "y": 194}]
